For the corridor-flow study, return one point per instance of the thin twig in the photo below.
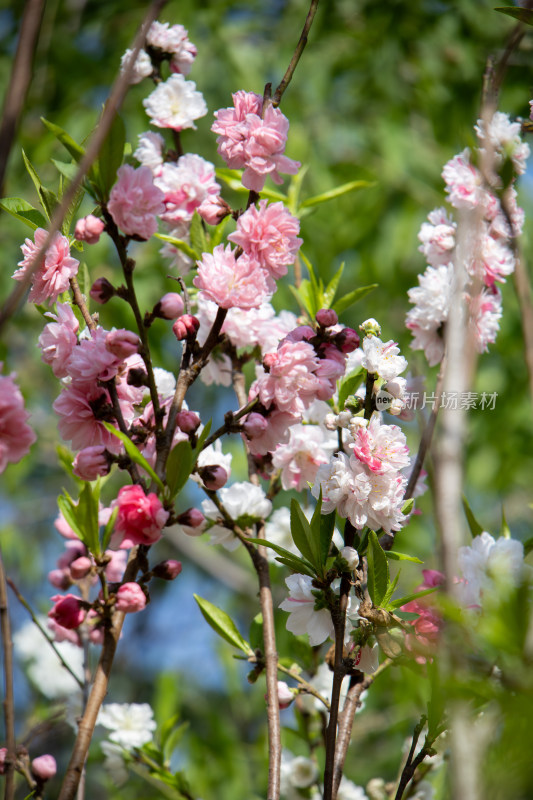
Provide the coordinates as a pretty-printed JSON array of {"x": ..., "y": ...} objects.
[
  {"x": 78, "y": 300},
  {"x": 118, "y": 92},
  {"x": 308, "y": 687},
  {"x": 19, "y": 80},
  {"x": 276, "y": 99},
  {"x": 9, "y": 702},
  {"x": 232, "y": 418}
]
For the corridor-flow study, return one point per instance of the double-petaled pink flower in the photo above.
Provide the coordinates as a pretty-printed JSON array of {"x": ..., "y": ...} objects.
[
  {"x": 55, "y": 269},
  {"x": 135, "y": 201},
  {"x": 16, "y": 436},
  {"x": 141, "y": 517},
  {"x": 231, "y": 282}
]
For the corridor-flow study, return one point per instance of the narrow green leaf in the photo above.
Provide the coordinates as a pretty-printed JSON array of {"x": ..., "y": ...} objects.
[
  {"x": 350, "y": 299},
  {"x": 301, "y": 533},
  {"x": 525, "y": 15},
  {"x": 24, "y": 212},
  {"x": 473, "y": 524},
  {"x": 179, "y": 245},
  {"x": 395, "y": 556},
  {"x": 66, "y": 506},
  {"x": 528, "y": 546},
  {"x": 48, "y": 199},
  {"x": 134, "y": 453},
  {"x": 390, "y": 591},
  {"x": 197, "y": 234},
  {"x": 271, "y": 194},
  {"x": 84, "y": 279},
  {"x": 303, "y": 297},
  {"x": 352, "y": 186},
  {"x": 322, "y": 527},
  {"x": 331, "y": 288},
  {"x": 505, "y": 530},
  {"x": 299, "y": 564},
  {"x": 402, "y": 601},
  {"x": 378, "y": 570},
  {"x": 179, "y": 467},
  {"x": 256, "y": 632},
  {"x": 349, "y": 385},
  {"x": 68, "y": 171},
  {"x": 296, "y": 566},
  {"x": 87, "y": 513},
  {"x": 408, "y": 506},
  {"x": 75, "y": 150},
  {"x": 112, "y": 155},
  {"x": 294, "y": 190},
  {"x": 108, "y": 530},
  {"x": 222, "y": 624}
]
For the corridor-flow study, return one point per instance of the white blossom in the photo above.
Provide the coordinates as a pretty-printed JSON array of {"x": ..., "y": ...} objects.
[
  {"x": 244, "y": 502},
  {"x": 489, "y": 563},
  {"x": 131, "y": 724},
  {"x": 382, "y": 358},
  {"x": 150, "y": 150},
  {"x": 175, "y": 104},
  {"x": 142, "y": 68},
  {"x": 43, "y": 666}
]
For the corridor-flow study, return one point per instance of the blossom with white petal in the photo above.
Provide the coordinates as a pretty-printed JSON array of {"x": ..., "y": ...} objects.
[
  {"x": 131, "y": 724},
  {"x": 175, "y": 104},
  {"x": 382, "y": 358},
  {"x": 489, "y": 563},
  {"x": 244, "y": 502}
]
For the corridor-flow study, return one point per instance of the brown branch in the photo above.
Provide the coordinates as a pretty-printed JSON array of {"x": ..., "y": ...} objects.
[
  {"x": 9, "y": 702},
  {"x": 19, "y": 81},
  {"x": 96, "y": 141},
  {"x": 346, "y": 718},
  {"x": 78, "y": 300},
  {"x": 297, "y": 54}
]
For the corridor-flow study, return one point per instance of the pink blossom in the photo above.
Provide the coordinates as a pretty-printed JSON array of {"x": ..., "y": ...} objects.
[
  {"x": 192, "y": 518},
  {"x": 141, "y": 517},
  {"x": 44, "y": 767},
  {"x": 326, "y": 317},
  {"x": 91, "y": 360},
  {"x": 232, "y": 128},
  {"x": 185, "y": 185},
  {"x": 68, "y": 611},
  {"x": 437, "y": 237},
  {"x": 91, "y": 462},
  {"x": 382, "y": 448},
  {"x": 290, "y": 382},
  {"x": 464, "y": 183},
  {"x": 60, "y": 579},
  {"x": 89, "y": 229},
  {"x": 308, "y": 447},
  {"x": 122, "y": 343},
  {"x": 140, "y": 69},
  {"x": 171, "y": 306},
  {"x": 428, "y": 624},
  {"x": 175, "y": 104},
  {"x": 54, "y": 271},
  {"x": 135, "y": 201},
  {"x": 231, "y": 282},
  {"x": 130, "y": 598},
  {"x": 186, "y": 327},
  {"x": 188, "y": 421},
  {"x": 62, "y": 634},
  {"x": 174, "y": 41},
  {"x": 150, "y": 151},
  {"x": 78, "y": 423},
  {"x": 494, "y": 261},
  {"x": 213, "y": 477},
  {"x": 116, "y": 565},
  {"x": 213, "y": 210},
  {"x": 269, "y": 234},
  {"x": 168, "y": 570},
  {"x": 285, "y": 695},
  {"x": 485, "y": 314},
  {"x": 277, "y": 432},
  {"x": 80, "y": 568},
  {"x": 16, "y": 436},
  {"x": 58, "y": 339}
]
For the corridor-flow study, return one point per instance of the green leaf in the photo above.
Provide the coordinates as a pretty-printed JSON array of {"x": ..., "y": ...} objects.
[
  {"x": 108, "y": 530},
  {"x": 349, "y": 385},
  {"x": 408, "y": 506},
  {"x": 69, "y": 171},
  {"x": 111, "y": 155},
  {"x": 84, "y": 279},
  {"x": 222, "y": 624},
  {"x": 378, "y": 570},
  {"x": 473, "y": 524},
  {"x": 298, "y": 564},
  {"x": 394, "y": 556},
  {"x": 331, "y": 288},
  {"x": 303, "y": 297},
  {"x": 256, "y": 632},
  {"x": 179, "y": 467},
  {"x": 76, "y": 151},
  {"x": 83, "y": 515},
  {"x": 402, "y": 601},
  {"x": 295, "y": 187},
  {"x": 24, "y": 212},
  {"x": 353, "y": 297},
  {"x": 352, "y": 186},
  {"x": 202, "y": 438},
  {"x": 134, "y": 453},
  {"x": 525, "y": 15},
  {"x": 528, "y": 546},
  {"x": 322, "y": 527},
  {"x": 197, "y": 234},
  {"x": 301, "y": 533},
  {"x": 505, "y": 530},
  {"x": 390, "y": 591},
  {"x": 48, "y": 199},
  {"x": 179, "y": 245}
]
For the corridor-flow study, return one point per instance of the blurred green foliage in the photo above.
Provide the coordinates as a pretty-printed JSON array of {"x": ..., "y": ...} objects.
[{"x": 387, "y": 93}]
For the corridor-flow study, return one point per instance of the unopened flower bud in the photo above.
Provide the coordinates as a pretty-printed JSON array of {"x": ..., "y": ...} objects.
[
  {"x": 91, "y": 462},
  {"x": 213, "y": 210},
  {"x": 192, "y": 522},
  {"x": 122, "y": 343},
  {"x": 370, "y": 327},
  {"x": 89, "y": 229},
  {"x": 188, "y": 421},
  {"x": 351, "y": 556},
  {"x": 60, "y": 579},
  {"x": 171, "y": 306},
  {"x": 102, "y": 290},
  {"x": 213, "y": 476},
  {"x": 80, "y": 568},
  {"x": 3, "y": 756},
  {"x": 186, "y": 327},
  {"x": 167, "y": 570},
  {"x": 44, "y": 767},
  {"x": 130, "y": 598},
  {"x": 255, "y": 425},
  {"x": 67, "y": 611},
  {"x": 300, "y": 334},
  {"x": 285, "y": 695},
  {"x": 326, "y": 317},
  {"x": 347, "y": 340}
]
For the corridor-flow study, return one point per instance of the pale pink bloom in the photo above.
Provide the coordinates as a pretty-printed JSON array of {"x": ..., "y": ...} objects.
[
  {"x": 269, "y": 234},
  {"x": 91, "y": 360},
  {"x": 330, "y": 369},
  {"x": 428, "y": 624},
  {"x": 494, "y": 261},
  {"x": 141, "y": 68},
  {"x": 231, "y": 282},
  {"x": 150, "y": 151},
  {"x": 67, "y": 611},
  {"x": 213, "y": 477},
  {"x": 499, "y": 225},
  {"x": 78, "y": 423},
  {"x": 115, "y": 567},
  {"x": 308, "y": 447},
  {"x": 431, "y": 300},
  {"x": 276, "y": 433},
  {"x": 485, "y": 314},
  {"x": 173, "y": 40},
  {"x": 135, "y": 201},
  {"x": 303, "y": 618},
  {"x": 290, "y": 383},
  {"x": 16, "y": 436},
  {"x": 55, "y": 269},
  {"x": 102, "y": 291},
  {"x": 231, "y": 126},
  {"x": 178, "y": 259},
  {"x": 89, "y": 229},
  {"x": 91, "y": 462},
  {"x": 185, "y": 186},
  {"x": 44, "y": 767},
  {"x": 243, "y": 501},
  {"x": 264, "y": 149},
  {"x": 58, "y": 339},
  {"x": 351, "y": 556},
  {"x": 171, "y": 306},
  {"x": 62, "y": 634},
  {"x": 130, "y": 395},
  {"x": 130, "y": 598},
  {"x": 383, "y": 448},
  {"x": 437, "y": 237},
  {"x": 382, "y": 358},
  {"x": 141, "y": 518},
  {"x": 175, "y": 104},
  {"x": 504, "y": 137},
  {"x": 464, "y": 183},
  {"x": 366, "y": 659}
]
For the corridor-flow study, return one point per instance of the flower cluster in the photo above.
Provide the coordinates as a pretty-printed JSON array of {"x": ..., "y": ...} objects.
[{"x": 54, "y": 271}]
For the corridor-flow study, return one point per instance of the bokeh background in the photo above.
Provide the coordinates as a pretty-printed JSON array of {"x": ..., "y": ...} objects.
[{"x": 385, "y": 92}]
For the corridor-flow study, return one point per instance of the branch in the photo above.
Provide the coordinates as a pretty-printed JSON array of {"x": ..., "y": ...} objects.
[
  {"x": 297, "y": 54},
  {"x": 9, "y": 703}
]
